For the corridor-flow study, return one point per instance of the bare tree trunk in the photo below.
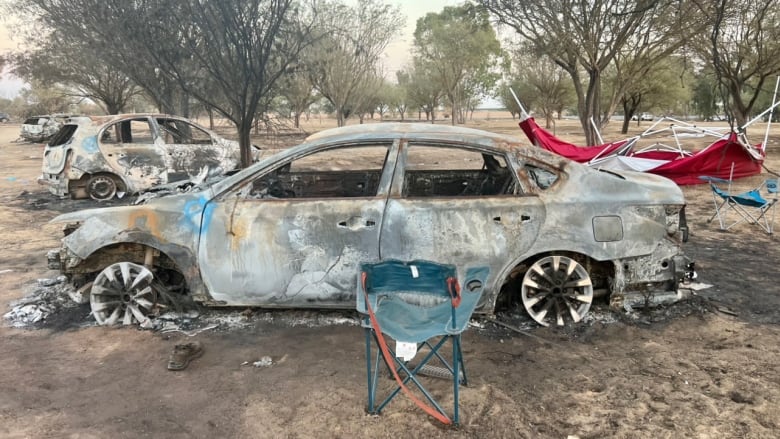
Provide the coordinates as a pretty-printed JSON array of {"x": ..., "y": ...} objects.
[{"x": 245, "y": 143}]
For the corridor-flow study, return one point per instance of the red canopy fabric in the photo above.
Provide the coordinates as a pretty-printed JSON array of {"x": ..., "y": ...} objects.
[
  {"x": 714, "y": 161},
  {"x": 544, "y": 139}
]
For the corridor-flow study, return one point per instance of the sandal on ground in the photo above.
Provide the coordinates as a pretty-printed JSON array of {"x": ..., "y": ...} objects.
[{"x": 184, "y": 353}]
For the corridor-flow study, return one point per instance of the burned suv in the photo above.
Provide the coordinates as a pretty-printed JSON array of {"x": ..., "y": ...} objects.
[{"x": 103, "y": 157}]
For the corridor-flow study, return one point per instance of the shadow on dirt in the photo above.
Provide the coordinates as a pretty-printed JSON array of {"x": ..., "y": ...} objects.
[{"x": 35, "y": 201}]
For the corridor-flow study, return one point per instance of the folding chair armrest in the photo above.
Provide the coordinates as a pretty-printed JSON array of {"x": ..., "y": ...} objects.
[{"x": 709, "y": 179}]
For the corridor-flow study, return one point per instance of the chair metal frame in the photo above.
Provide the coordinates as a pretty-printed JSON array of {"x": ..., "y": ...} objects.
[
  {"x": 445, "y": 315},
  {"x": 751, "y": 206}
]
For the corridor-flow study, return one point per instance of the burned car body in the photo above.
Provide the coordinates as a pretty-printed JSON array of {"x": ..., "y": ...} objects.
[
  {"x": 101, "y": 157},
  {"x": 39, "y": 129},
  {"x": 291, "y": 230}
]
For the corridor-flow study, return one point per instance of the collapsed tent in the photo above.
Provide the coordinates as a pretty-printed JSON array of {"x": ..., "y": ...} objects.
[{"x": 683, "y": 167}]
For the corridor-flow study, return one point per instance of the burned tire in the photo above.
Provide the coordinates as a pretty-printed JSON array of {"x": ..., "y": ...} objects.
[
  {"x": 557, "y": 289},
  {"x": 102, "y": 187}
]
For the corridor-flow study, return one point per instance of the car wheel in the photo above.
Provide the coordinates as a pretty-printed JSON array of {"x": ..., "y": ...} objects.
[
  {"x": 557, "y": 289},
  {"x": 123, "y": 292},
  {"x": 101, "y": 187}
]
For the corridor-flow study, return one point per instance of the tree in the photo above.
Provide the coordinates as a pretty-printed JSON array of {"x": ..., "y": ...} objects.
[
  {"x": 705, "y": 97},
  {"x": 112, "y": 32},
  {"x": 38, "y": 98},
  {"x": 743, "y": 49},
  {"x": 299, "y": 94},
  {"x": 343, "y": 64},
  {"x": 422, "y": 91},
  {"x": 662, "y": 88},
  {"x": 228, "y": 54},
  {"x": 542, "y": 84},
  {"x": 401, "y": 99},
  {"x": 58, "y": 60},
  {"x": 459, "y": 47},
  {"x": 585, "y": 36}
]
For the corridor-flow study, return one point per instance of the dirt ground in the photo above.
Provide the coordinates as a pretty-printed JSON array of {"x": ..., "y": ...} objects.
[{"x": 706, "y": 368}]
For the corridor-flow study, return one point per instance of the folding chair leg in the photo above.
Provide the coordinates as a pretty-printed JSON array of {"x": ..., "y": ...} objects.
[{"x": 456, "y": 357}]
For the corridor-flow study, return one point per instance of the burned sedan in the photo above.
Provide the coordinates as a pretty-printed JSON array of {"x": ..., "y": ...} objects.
[
  {"x": 103, "y": 157},
  {"x": 291, "y": 230}
]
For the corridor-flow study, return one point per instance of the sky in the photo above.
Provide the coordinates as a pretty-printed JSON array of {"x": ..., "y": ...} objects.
[{"x": 397, "y": 54}]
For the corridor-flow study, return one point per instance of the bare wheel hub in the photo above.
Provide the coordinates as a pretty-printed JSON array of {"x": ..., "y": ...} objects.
[
  {"x": 557, "y": 289},
  {"x": 101, "y": 187},
  {"x": 123, "y": 292}
]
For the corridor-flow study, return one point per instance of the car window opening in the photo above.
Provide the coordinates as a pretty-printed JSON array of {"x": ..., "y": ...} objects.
[
  {"x": 63, "y": 136},
  {"x": 434, "y": 171},
  {"x": 128, "y": 131},
  {"x": 349, "y": 172}
]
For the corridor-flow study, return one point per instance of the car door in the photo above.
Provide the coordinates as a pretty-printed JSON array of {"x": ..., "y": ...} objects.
[
  {"x": 190, "y": 150},
  {"x": 132, "y": 149},
  {"x": 458, "y": 204},
  {"x": 294, "y": 235}
]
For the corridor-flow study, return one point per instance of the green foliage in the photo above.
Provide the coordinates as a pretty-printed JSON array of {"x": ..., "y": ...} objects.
[{"x": 459, "y": 48}]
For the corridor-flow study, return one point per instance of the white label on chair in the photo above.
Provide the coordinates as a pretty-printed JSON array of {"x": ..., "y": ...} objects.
[
  {"x": 415, "y": 273},
  {"x": 405, "y": 350}
]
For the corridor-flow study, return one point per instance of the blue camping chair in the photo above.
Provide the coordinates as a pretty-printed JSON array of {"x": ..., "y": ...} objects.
[
  {"x": 753, "y": 206},
  {"x": 420, "y": 304}
]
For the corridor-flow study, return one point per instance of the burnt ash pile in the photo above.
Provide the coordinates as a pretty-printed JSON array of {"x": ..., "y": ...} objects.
[
  {"x": 54, "y": 304},
  {"x": 48, "y": 304}
]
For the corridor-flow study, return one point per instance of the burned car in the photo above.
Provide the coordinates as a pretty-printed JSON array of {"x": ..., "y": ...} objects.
[
  {"x": 291, "y": 230},
  {"x": 39, "y": 129},
  {"x": 103, "y": 157}
]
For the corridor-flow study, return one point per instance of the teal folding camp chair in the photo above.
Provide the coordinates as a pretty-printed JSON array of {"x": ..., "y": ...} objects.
[
  {"x": 420, "y": 305},
  {"x": 755, "y": 206}
]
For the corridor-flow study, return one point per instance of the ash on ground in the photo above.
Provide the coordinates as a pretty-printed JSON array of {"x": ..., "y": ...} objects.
[
  {"x": 51, "y": 304},
  {"x": 48, "y": 303}
]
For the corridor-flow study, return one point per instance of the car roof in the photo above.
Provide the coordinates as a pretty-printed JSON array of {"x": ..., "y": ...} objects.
[{"x": 414, "y": 131}]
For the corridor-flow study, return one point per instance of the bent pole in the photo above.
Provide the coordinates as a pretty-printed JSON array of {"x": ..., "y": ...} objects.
[
  {"x": 771, "y": 113},
  {"x": 522, "y": 109},
  {"x": 596, "y": 129}
]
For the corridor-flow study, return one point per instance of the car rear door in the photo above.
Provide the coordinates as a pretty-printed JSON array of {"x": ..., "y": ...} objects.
[
  {"x": 294, "y": 235},
  {"x": 190, "y": 150},
  {"x": 458, "y": 204},
  {"x": 133, "y": 150}
]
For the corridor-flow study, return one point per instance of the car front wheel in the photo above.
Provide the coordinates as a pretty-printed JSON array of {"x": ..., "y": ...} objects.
[
  {"x": 557, "y": 289},
  {"x": 123, "y": 293}
]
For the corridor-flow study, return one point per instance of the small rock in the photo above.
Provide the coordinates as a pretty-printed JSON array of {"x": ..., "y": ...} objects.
[
  {"x": 264, "y": 362},
  {"x": 48, "y": 282}
]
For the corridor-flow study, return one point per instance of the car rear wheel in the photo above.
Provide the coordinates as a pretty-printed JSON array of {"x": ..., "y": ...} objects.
[
  {"x": 123, "y": 293},
  {"x": 101, "y": 187},
  {"x": 557, "y": 289}
]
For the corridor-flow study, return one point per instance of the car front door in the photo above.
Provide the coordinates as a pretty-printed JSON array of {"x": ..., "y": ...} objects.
[
  {"x": 458, "y": 204},
  {"x": 295, "y": 234}
]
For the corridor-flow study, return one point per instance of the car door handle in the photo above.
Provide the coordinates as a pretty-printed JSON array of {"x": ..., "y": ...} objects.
[
  {"x": 357, "y": 223},
  {"x": 523, "y": 219}
]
